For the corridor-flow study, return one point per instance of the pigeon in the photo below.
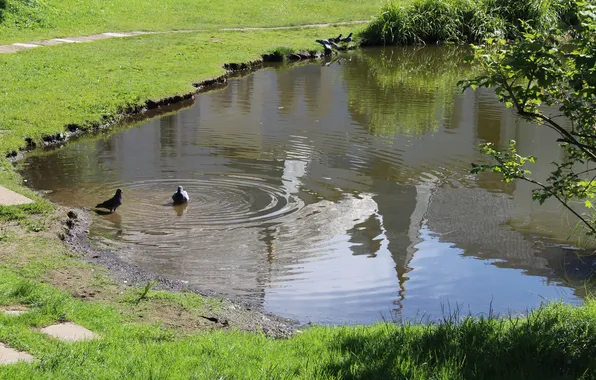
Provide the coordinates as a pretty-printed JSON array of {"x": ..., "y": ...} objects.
[
  {"x": 326, "y": 45},
  {"x": 112, "y": 203},
  {"x": 333, "y": 44},
  {"x": 336, "y": 39},
  {"x": 180, "y": 197},
  {"x": 348, "y": 39}
]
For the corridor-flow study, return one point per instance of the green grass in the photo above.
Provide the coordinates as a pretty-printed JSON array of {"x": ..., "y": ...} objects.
[
  {"x": 26, "y": 20},
  {"x": 463, "y": 21},
  {"x": 42, "y": 90},
  {"x": 554, "y": 342},
  {"x": 45, "y": 89}
]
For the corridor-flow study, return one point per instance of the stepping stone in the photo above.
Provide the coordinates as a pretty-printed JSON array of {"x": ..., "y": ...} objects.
[
  {"x": 117, "y": 34},
  {"x": 10, "y": 355},
  {"x": 10, "y": 48},
  {"x": 28, "y": 46},
  {"x": 48, "y": 42},
  {"x": 13, "y": 310},
  {"x": 69, "y": 332},
  {"x": 64, "y": 40},
  {"x": 94, "y": 37},
  {"x": 10, "y": 198}
]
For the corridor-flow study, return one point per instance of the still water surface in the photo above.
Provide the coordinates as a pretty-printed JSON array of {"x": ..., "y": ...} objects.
[{"x": 332, "y": 193}]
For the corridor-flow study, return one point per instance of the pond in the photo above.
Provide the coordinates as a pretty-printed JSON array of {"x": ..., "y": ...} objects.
[{"x": 334, "y": 192}]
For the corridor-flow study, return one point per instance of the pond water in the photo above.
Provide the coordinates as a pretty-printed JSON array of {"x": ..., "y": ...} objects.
[{"x": 331, "y": 193}]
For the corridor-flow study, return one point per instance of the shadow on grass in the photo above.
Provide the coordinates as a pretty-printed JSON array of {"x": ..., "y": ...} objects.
[
  {"x": 555, "y": 342},
  {"x": 2, "y": 10}
]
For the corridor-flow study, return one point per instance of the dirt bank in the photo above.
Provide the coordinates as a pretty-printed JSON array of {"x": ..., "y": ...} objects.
[{"x": 237, "y": 313}]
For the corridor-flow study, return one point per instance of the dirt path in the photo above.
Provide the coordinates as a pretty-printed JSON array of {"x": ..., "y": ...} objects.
[{"x": 18, "y": 46}]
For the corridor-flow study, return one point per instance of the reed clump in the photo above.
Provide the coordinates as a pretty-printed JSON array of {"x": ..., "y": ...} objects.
[{"x": 463, "y": 21}]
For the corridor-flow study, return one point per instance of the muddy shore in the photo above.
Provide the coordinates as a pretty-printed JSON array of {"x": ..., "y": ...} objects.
[{"x": 240, "y": 313}]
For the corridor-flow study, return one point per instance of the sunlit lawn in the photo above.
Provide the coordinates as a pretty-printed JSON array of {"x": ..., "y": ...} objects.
[{"x": 23, "y": 21}]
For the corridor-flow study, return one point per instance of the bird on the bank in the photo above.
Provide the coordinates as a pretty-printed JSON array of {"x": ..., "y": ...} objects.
[
  {"x": 336, "y": 39},
  {"x": 326, "y": 45},
  {"x": 348, "y": 39},
  {"x": 180, "y": 197},
  {"x": 336, "y": 46},
  {"x": 113, "y": 203}
]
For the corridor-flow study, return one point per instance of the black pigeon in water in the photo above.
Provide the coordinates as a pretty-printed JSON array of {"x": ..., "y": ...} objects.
[
  {"x": 113, "y": 203},
  {"x": 180, "y": 197},
  {"x": 348, "y": 39}
]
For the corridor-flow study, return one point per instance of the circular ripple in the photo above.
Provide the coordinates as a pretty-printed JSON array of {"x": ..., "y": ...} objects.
[{"x": 218, "y": 200}]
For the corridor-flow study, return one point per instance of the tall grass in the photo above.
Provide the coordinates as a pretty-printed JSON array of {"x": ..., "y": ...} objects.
[
  {"x": 462, "y": 21},
  {"x": 553, "y": 342}
]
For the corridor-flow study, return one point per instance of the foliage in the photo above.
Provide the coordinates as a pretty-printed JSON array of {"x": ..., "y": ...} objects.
[
  {"x": 539, "y": 70},
  {"x": 462, "y": 21}
]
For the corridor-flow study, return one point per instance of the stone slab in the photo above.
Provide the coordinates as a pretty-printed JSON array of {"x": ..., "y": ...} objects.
[
  {"x": 10, "y": 198},
  {"x": 111, "y": 34},
  {"x": 10, "y": 355},
  {"x": 27, "y": 46},
  {"x": 69, "y": 332},
  {"x": 48, "y": 42},
  {"x": 11, "y": 48},
  {"x": 94, "y": 37},
  {"x": 13, "y": 310}
]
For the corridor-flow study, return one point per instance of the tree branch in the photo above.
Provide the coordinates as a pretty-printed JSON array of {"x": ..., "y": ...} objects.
[
  {"x": 562, "y": 131},
  {"x": 561, "y": 201}
]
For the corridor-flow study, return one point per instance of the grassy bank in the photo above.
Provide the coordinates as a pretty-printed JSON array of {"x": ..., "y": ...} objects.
[
  {"x": 22, "y": 21},
  {"x": 161, "y": 334},
  {"x": 555, "y": 342},
  {"x": 463, "y": 21},
  {"x": 43, "y": 90}
]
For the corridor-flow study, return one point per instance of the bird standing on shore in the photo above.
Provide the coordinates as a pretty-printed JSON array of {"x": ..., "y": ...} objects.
[
  {"x": 180, "y": 197},
  {"x": 336, "y": 39},
  {"x": 348, "y": 39},
  {"x": 326, "y": 45},
  {"x": 113, "y": 203}
]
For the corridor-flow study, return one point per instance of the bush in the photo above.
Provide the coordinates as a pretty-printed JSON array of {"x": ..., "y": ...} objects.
[{"x": 463, "y": 21}]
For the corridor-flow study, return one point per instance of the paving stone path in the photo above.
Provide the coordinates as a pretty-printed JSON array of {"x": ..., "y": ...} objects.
[
  {"x": 13, "y": 310},
  {"x": 18, "y": 46},
  {"x": 10, "y": 355},
  {"x": 66, "y": 332},
  {"x": 10, "y": 198},
  {"x": 69, "y": 332}
]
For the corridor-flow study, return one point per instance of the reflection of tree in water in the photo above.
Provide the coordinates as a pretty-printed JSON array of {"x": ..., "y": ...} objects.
[
  {"x": 405, "y": 91},
  {"x": 286, "y": 89},
  {"x": 309, "y": 78},
  {"x": 167, "y": 136}
]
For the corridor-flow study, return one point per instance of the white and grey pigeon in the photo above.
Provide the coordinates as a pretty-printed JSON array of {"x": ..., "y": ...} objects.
[
  {"x": 326, "y": 45},
  {"x": 180, "y": 197}
]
